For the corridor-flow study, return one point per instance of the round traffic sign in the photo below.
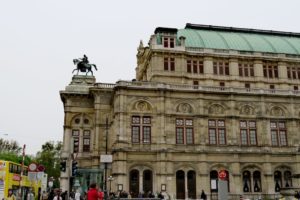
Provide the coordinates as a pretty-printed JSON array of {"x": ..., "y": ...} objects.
[
  {"x": 222, "y": 175},
  {"x": 41, "y": 168},
  {"x": 32, "y": 167}
]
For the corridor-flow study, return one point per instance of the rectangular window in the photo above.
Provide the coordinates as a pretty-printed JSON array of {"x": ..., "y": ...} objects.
[
  {"x": 169, "y": 64},
  {"x": 141, "y": 129},
  {"x": 172, "y": 43},
  {"x": 168, "y": 42},
  {"x": 135, "y": 134},
  {"x": 278, "y": 133},
  {"x": 194, "y": 66},
  {"x": 196, "y": 84},
  {"x": 248, "y": 132},
  {"x": 293, "y": 71},
  {"x": 189, "y": 66},
  {"x": 166, "y": 64},
  {"x": 270, "y": 70},
  {"x": 172, "y": 64},
  {"x": 75, "y": 136},
  {"x": 221, "y": 67},
  {"x": 75, "y": 144},
  {"x": 86, "y": 144},
  {"x": 184, "y": 131},
  {"x": 179, "y": 136},
  {"x": 146, "y": 134},
  {"x": 86, "y": 140},
  {"x": 217, "y": 132}
]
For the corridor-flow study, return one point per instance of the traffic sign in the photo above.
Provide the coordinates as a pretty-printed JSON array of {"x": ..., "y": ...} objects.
[
  {"x": 32, "y": 167},
  {"x": 222, "y": 175},
  {"x": 41, "y": 168}
]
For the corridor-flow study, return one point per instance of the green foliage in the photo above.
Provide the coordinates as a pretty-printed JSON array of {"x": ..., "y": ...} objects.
[
  {"x": 8, "y": 156},
  {"x": 9, "y": 146},
  {"x": 49, "y": 156}
]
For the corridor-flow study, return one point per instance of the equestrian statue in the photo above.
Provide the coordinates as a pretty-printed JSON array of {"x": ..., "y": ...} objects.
[{"x": 83, "y": 65}]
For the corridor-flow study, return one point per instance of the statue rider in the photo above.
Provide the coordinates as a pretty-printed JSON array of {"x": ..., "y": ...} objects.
[{"x": 85, "y": 59}]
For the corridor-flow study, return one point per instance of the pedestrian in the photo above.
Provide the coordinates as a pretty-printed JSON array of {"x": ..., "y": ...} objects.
[
  {"x": 44, "y": 195},
  {"x": 101, "y": 194},
  {"x": 30, "y": 195},
  {"x": 203, "y": 195},
  {"x": 93, "y": 194},
  {"x": 57, "y": 195},
  {"x": 11, "y": 195},
  {"x": 77, "y": 195}
]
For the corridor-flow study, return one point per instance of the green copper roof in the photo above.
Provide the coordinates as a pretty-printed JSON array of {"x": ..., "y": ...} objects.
[{"x": 241, "y": 40}]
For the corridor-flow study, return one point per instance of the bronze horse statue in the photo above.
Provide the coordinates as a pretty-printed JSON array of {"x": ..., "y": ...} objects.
[{"x": 83, "y": 65}]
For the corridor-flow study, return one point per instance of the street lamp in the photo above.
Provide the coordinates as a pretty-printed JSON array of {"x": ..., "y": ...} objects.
[{"x": 110, "y": 179}]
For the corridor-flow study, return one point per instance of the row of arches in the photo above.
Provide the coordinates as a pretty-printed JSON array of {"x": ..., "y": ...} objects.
[
  {"x": 186, "y": 184},
  {"x": 213, "y": 108}
]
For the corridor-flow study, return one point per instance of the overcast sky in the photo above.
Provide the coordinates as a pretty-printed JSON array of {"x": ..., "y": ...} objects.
[{"x": 40, "y": 38}]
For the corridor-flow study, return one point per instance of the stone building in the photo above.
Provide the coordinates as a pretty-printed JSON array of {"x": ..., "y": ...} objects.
[{"x": 204, "y": 99}]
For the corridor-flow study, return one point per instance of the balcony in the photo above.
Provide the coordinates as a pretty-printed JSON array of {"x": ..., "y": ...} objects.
[{"x": 183, "y": 87}]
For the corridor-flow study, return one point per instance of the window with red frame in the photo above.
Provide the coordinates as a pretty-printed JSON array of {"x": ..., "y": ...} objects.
[
  {"x": 217, "y": 132},
  {"x": 278, "y": 133},
  {"x": 184, "y": 131},
  {"x": 168, "y": 42},
  {"x": 248, "y": 132},
  {"x": 293, "y": 71},
  {"x": 169, "y": 64},
  {"x": 270, "y": 70},
  {"x": 86, "y": 140},
  {"x": 141, "y": 129},
  {"x": 75, "y": 135},
  {"x": 194, "y": 66},
  {"x": 246, "y": 69},
  {"x": 221, "y": 67}
]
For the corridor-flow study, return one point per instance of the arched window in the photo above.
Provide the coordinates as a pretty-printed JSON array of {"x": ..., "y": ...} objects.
[
  {"x": 191, "y": 180},
  {"x": 277, "y": 179},
  {"x": 180, "y": 185},
  {"x": 214, "y": 181},
  {"x": 257, "y": 181},
  {"x": 287, "y": 178},
  {"x": 246, "y": 181},
  {"x": 134, "y": 182},
  {"x": 147, "y": 181}
]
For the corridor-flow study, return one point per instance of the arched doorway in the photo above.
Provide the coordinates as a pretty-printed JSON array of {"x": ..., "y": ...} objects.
[
  {"x": 180, "y": 185},
  {"x": 134, "y": 182},
  {"x": 191, "y": 181},
  {"x": 147, "y": 181}
]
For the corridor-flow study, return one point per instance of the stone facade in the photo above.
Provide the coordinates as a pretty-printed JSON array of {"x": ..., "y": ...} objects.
[{"x": 188, "y": 114}]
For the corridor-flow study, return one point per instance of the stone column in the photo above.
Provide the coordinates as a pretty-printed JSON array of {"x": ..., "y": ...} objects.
[
  {"x": 234, "y": 67},
  {"x": 186, "y": 185},
  {"x": 208, "y": 70},
  {"x": 258, "y": 73},
  {"x": 141, "y": 181}
]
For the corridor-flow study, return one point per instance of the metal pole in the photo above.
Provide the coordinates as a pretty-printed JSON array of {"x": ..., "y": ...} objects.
[
  {"x": 105, "y": 167},
  {"x": 22, "y": 170}
]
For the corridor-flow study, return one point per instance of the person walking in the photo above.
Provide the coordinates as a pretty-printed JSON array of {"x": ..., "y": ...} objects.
[
  {"x": 11, "y": 195},
  {"x": 30, "y": 195},
  {"x": 203, "y": 195},
  {"x": 93, "y": 193}
]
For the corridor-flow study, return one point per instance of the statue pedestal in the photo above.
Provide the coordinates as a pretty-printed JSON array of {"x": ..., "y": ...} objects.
[{"x": 81, "y": 84}]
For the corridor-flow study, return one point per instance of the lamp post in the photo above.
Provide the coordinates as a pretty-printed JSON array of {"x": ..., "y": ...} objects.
[{"x": 110, "y": 179}]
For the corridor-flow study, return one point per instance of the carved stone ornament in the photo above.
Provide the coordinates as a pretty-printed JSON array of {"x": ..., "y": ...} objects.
[
  {"x": 247, "y": 110},
  {"x": 142, "y": 106},
  {"x": 216, "y": 109},
  {"x": 277, "y": 111},
  {"x": 184, "y": 108}
]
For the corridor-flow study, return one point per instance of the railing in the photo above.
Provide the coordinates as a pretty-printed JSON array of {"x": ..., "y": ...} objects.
[{"x": 219, "y": 89}]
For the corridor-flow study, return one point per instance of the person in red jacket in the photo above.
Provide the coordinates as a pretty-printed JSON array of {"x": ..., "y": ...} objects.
[
  {"x": 101, "y": 194},
  {"x": 93, "y": 193}
]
